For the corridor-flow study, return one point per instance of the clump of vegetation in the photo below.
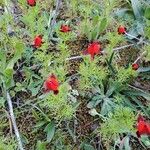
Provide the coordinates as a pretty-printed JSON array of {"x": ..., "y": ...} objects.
[
  {"x": 59, "y": 105},
  {"x": 121, "y": 121},
  {"x": 7, "y": 144},
  {"x": 74, "y": 70},
  {"x": 91, "y": 74}
]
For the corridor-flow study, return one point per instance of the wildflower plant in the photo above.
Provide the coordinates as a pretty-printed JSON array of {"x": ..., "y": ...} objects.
[
  {"x": 92, "y": 28},
  {"x": 35, "y": 51},
  {"x": 91, "y": 74},
  {"x": 59, "y": 105},
  {"x": 7, "y": 143},
  {"x": 124, "y": 75},
  {"x": 122, "y": 120}
]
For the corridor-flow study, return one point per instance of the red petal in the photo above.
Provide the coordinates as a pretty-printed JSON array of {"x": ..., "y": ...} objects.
[
  {"x": 51, "y": 84},
  {"x": 38, "y": 41},
  {"x": 143, "y": 128},
  {"x": 94, "y": 49},
  {"x": 121, "y": 30},
  {"x": 31, "y": 2},
  {"x": 135, "y": 66},
  {"x": 65, "y": 28}
]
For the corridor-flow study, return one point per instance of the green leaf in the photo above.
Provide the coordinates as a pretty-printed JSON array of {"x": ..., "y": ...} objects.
[
  {"x": 145, "y": 140},
  {"x": 94, "y": 34},
  {"x": 2, "y": 60},
  {"x": 94, "y": 103},
  {"x": 9, "y": 77},
  {"x": 41, "y": 145},
  {"x": 39, "y": 124},
  {"x": 140, "y": 105},
  {"x": 137, "y": 9},
  {"x": 107, "y": 106},
  {"x": 88, "y": 147},
  {"x": 96, "y": 20},
  {"x": 2, "y": 102},
  {"x": 19, "y": 49},
  {"x": 109, "y": 63},
  {"x": 143, "y": 69},
  {"x": 111, "y": 90},
  {"x": 139, "y": 93},
  {"x": 121, "y": 12},
  {"x": 147, "y": 13},
  {"x": 103, "y": 25},
  {"x": 50, "y": 130}
]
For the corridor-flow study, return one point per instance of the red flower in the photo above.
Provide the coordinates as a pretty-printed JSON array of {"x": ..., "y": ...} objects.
[
  {"x": 31, "y": 2},
  {"x": 143, "y": 127},
  {"x": 38, "y": 41},
  {"x": 93, "y": 49},
  {"x": 51, "y": 84},
  {"x": 121, "y": 30},
  {"x": 65, "y": 28},
  {"x": 135, "y": 66}
]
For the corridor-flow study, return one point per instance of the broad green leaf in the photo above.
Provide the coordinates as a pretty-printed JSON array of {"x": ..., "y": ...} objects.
[
  {"x": 103, "y": 25},
  {"x": 10, "y": 64},
  {"x": 2, "y": 102},
  {"x": 94, "y": 34},
  {"x": 93, "y": 104},
  {"x": 8, "y": 73},
  {"x": 137, "y": 8},
  {"x": 143, "y": 69},
  {"x": 107, "y": 106},
  {"x": 147, "y": 13},
  {"x": 19, "y": 49},
  {"x": 88, "y": 147},
  {"x": 121, "y": 12},
  {"x": 140, "y": 93},
  {"x": 39, "y": 124},
  {"x": 41, "y": 145},
  {"x": 96, "y": 20},
  {"x": 145, "y": 140},
  {"x": 140, "y": 105},
  {"x": 50, "y": 130},
  {"x": 111, "y": 90}
]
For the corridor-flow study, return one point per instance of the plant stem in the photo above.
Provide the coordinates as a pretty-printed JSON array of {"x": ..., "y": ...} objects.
[{"x": 14, "y": 121}]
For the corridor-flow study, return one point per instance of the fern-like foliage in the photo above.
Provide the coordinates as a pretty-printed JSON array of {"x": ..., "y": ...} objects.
[
  {"x": 121, "y": 121},
  {"x": 125, "y": 75},
  {"x": 7, "y": 144},
  {"x": 59, "y": 105},
  {"x": 91, "y": 74},
  {"x": 147, "y": 49}
]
